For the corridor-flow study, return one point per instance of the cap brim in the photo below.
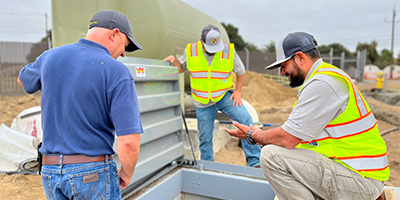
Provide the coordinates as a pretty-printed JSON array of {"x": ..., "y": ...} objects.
[
  {"x": 276, "y": 64},
  {"x": 214, "y": 49},
  {"x": 133, "y": 45}
]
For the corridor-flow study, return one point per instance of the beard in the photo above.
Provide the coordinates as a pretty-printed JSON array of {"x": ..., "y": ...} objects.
[{"x": 297, "y": 79}]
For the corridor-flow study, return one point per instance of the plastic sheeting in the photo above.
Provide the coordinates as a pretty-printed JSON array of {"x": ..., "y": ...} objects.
[
  {"x": 29, "y": 121},
  {"x": 18, "y": 151}
]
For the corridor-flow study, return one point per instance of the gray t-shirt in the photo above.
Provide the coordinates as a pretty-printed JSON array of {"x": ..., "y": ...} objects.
[
  {"x": 238, "y": 68},
  {"x": 322, "y": 99}
]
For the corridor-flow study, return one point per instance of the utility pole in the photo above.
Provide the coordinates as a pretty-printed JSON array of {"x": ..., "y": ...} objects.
[
  {"x": 391, "y": 50},
  {"x": 46, "y": 31},
  {"x": 392, "y": 43}
]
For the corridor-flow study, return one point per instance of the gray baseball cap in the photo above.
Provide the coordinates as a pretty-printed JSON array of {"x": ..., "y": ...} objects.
[
  {"x": 290, "y": 45},
  {"x": 212, "y": 39},
  {"x": 112, "y": 19}
]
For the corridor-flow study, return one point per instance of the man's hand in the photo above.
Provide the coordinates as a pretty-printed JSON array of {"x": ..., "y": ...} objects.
[
  {"x": 172, "y": 59},
  {"x": 175, "y": 62},
  {"x": 237, "y": 99},
  {"x": 124, "y": 179},
  {"x": 128, "y": 149},
  {"x": 241, "y": 131}
]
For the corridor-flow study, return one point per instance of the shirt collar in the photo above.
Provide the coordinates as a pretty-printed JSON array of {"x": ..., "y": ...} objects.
[
  {"x": 313, "y": 68},
  {"x": 93, "y": 45}
]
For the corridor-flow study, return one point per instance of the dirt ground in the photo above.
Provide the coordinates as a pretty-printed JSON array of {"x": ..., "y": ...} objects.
[{"x": 273, "y": 104}]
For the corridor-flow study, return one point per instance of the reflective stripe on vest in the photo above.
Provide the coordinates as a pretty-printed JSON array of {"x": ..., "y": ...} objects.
[
  {"x": 366, "y": 163},
  {"x": 220, "y": 75},
  {"x": 201, "y": 74},
  {"x": 226, "y": 52},
  {"x": 353, "y": 138},
  {"x": 204, "y": 94},
  {"x": 200, "y": 94},
  {"x": 362, "y": 107},
  {"x": 204, "y": 74},
  {"x": 193, "y": 50},
  {"x": 339, "y": 131}
]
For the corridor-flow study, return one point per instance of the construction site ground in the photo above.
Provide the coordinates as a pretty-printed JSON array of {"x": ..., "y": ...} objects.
[{"x": 273, "y": 104}]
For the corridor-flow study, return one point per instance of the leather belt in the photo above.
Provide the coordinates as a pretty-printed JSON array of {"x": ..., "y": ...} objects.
[{"x": 73, "y": 159}]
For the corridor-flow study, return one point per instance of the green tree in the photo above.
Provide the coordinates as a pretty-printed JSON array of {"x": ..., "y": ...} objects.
[
  {"x": 235, "y": 38},
  {"x": 383, "y": 60},
  {"x": 398, "y": 59},
  {"x": 372, "y": 53},
  {"x": 270, "y": 47},
  {"x": 337, "y": 49},
  {"x": 251, "y": 47}
]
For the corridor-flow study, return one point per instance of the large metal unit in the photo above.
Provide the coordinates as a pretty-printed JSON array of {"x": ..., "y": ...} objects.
[
  {"x": 162, "y": 172},
  {"x": 162, "y": 27},
  {"x": 157, "y": 87}
]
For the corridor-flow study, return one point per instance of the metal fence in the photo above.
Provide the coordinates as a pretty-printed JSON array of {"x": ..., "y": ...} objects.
[
  {"x": 257, "y": 61},
  {"x": 278, "y": 79},
  {"x": 13, "y": 57}
]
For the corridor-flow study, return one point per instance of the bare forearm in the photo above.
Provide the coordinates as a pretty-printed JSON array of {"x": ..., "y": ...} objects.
[
  {"x": 239, "y": 83},
  {"x": 276, "y": 136},
  {"x": 128, "y": 153}
]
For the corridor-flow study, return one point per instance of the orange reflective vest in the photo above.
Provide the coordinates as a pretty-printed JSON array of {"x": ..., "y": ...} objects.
[
  {"x": 209, "y": 82},
  {"x": 352, "y": 139}
]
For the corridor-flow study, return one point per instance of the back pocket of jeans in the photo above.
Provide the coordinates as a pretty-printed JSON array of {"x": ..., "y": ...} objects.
[
  {"x": 46, "y": 182},
  {"x": 91, "y": 185}
]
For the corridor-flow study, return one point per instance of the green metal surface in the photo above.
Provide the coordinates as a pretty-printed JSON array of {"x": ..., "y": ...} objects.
[{"x": 162, "y": 27}]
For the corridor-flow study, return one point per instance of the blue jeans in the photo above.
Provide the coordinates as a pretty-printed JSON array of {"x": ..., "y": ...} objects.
[
  {"x": 205, "y": 124},
  {"x": 96, "y": 180}
]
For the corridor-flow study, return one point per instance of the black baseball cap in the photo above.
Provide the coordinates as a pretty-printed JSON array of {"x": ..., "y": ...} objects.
[
  {"x": 111, "y": 19},
  {"x": 290, "y": 45}
]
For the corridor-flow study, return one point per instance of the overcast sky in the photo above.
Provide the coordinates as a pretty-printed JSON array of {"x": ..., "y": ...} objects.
[
  {"x": 347, "y": 22},
  {"x": 24, "y": 20}
]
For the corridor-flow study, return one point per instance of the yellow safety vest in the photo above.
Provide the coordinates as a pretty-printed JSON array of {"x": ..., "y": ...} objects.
[
  {"x": 209, "y": 82},
  {"x": 379, "y": 82},
  {"x": 352, "y": 139}
]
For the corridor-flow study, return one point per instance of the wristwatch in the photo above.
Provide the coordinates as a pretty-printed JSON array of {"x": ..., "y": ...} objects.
[{"x": 248, "y": 137}]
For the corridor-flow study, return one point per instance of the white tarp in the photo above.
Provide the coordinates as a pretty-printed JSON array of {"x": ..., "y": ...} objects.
[
  {"x": 29, "y": 121},
  {"x": 17, "y": 150}
]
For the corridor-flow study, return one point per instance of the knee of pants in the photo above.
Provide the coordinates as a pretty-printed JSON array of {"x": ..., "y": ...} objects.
[
  {"x": 267, "y": 152},
  {"x": 269, "y": 149},
  {"x": 248, "y": 120}
]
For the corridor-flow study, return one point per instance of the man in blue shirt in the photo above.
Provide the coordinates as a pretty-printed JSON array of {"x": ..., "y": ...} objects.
[{"x": 87, "y": 96}]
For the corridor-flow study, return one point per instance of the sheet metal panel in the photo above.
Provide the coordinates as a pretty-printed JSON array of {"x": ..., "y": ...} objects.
[
  {"x": 225, "y": 186},
  {"x": 157, "y": 86},
  {"x": 209, "y": 182}
]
